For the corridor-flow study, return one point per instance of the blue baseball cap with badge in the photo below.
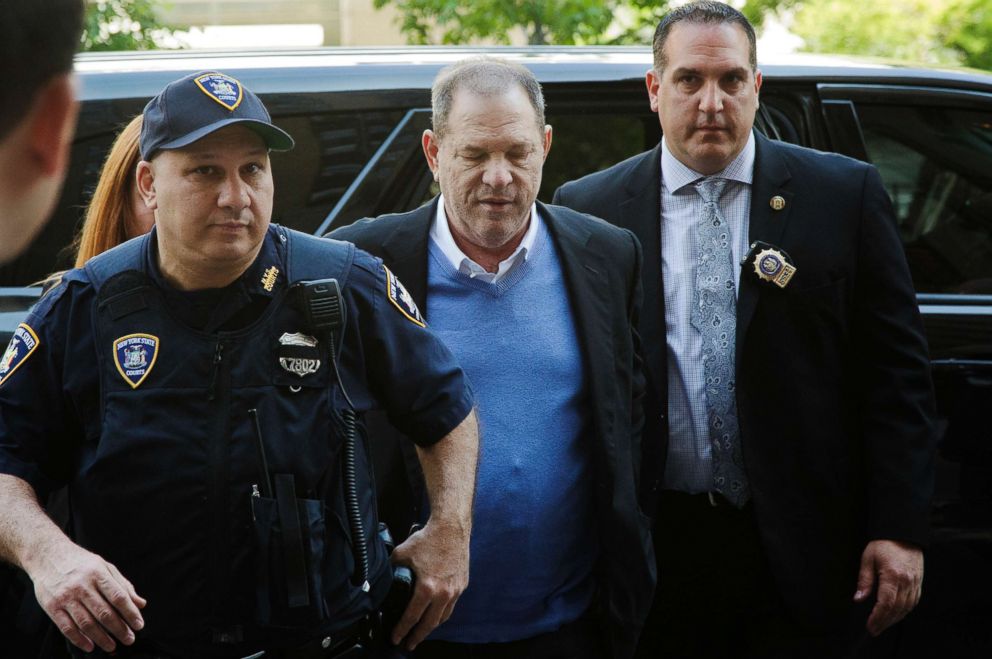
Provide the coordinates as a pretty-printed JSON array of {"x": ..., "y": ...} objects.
[{"x": 195, "y": 106}]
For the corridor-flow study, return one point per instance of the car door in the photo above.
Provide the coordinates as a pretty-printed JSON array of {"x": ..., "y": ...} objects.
[
  {"x": 594, "y": 126},
  {"x": 933, "y": 148}
]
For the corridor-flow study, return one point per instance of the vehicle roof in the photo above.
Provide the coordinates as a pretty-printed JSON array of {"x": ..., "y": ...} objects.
[{"x": 282, "y": 70}]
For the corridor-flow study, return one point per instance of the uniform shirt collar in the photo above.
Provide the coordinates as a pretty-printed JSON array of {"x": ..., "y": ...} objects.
[
  {"x": 213, "y": 309},
  {"x": 675, "y": 175},
  {"x": 252, "y": 281},
  {"x": 441, "y": 234}
]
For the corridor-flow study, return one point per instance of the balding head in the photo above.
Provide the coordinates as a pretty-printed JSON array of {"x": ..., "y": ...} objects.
[{"x": 488, "y": 77}]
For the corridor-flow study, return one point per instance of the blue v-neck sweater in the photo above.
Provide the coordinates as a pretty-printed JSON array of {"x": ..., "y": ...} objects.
[{"x": 533, "y": 537}]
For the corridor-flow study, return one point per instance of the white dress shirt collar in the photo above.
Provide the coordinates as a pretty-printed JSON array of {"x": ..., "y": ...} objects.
[{"x": 441, "y": 235}]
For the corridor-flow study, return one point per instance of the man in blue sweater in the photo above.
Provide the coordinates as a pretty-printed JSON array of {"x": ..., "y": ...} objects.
[{"x": 539, "y": 305}]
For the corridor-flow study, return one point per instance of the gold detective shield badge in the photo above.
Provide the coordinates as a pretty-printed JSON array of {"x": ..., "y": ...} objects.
[{"x": 771, "y": 265}]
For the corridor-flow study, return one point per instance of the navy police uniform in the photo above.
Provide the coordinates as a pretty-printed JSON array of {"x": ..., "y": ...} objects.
[{"x": 137, "y": 396}]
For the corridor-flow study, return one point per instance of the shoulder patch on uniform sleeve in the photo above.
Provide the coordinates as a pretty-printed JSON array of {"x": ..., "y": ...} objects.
[
  {"x": 22, "y": 344},
  {"x": 402, "y": 299}
]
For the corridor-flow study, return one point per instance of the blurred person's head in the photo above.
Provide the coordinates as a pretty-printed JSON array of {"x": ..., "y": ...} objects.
[
  {"x": 205, "y": 172},
  {"x": 38, "y": 108},
  {"x": 116, "y": 212},
  {"x": 487, "y": 150},
  {"x": 704, "y": 84}
]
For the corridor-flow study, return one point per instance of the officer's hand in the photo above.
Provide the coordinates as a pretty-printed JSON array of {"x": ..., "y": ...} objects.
[
  {"x": 438, "y": 556},
  {"x": 86, "y": 597},
  {"x": 900, "y": 578}
]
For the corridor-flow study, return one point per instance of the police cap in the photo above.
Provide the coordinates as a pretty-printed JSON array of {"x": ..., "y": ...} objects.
[{"x": 195, "y": 106}]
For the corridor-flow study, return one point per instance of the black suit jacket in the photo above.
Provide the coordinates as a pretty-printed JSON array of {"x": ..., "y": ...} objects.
[
  {"x": 834, "y": 397},
  {"x": 601, "y": 266}
]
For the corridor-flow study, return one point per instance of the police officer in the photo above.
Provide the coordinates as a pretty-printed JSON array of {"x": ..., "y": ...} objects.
[{"x": 200, "y": 391}]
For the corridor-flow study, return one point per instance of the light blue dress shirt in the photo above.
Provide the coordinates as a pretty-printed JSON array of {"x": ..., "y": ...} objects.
[{"x": 690, "y": 467}]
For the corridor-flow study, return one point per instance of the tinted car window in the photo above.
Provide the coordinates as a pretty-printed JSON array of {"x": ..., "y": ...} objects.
[
  {"x": 582, "y": 142},
  {"x": 331, "y": 151},
  {"x": 586, "y": 142},
  {"x": 934, "y": 162}
]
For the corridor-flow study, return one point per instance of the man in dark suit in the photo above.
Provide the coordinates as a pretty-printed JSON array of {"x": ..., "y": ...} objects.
[
  {"x": 790, "y": 424},
  {"x": 539, "y": 305}
]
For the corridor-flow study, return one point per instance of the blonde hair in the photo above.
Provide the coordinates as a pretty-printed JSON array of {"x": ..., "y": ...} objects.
[{"x": 110, "y": 213}]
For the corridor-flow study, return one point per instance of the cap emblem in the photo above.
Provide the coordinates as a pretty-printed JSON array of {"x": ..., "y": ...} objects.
[{"x": 224, "y": 89}]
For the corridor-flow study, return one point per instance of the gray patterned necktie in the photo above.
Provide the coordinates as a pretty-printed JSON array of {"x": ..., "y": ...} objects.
[{"x": 714, "y": 315}]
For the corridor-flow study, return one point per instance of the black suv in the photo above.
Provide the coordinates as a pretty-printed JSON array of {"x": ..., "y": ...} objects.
[{"x": 357, "y": 116}]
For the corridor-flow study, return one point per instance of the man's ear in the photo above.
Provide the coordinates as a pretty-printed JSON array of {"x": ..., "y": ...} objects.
[
  {"x": 547, "y": 140},
  {"x": 53, "y": 122},
  {"x": 653, "y": 82},
  {"x": 144, "y": 179},
  {"x": 430, "y": 145}
]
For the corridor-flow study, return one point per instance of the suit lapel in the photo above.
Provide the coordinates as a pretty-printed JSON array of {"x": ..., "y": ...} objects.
[
  {"x": 587, "y": 280},
  {"x": 643, "y": 207},
  {"x": 406, "y": 251},
  {"x": 771, "y": 178}
]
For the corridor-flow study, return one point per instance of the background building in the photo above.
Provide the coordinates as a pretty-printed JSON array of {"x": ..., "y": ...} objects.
[{"x": 230, "y": 23}]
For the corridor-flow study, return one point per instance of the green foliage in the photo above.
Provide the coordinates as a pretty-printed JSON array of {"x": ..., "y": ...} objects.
[
  {"x": 561, "y": 22},
  {"x": 945, "y": 32},
  {"x": 901, "y": 29},
  {"x": 757, "y": 10},
  {"x": 967, "y": 27},
  {"x": 942, "y": 32},
  {"x": 123, "y": 25}
]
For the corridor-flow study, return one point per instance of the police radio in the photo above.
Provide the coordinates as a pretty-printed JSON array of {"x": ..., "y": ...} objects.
[
  {"x": 322, "y": 307},
  {"x": 325, "y": 315}
]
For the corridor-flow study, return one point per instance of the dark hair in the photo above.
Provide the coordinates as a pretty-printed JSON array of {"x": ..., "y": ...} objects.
[
  {"x": 38, "y": 39},
  {"x": 702, "y": 11},
  {"x": 486, "y": 76}
]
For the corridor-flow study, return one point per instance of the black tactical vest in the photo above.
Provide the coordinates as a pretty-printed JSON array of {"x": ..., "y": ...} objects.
[{"x": 174, "y": 490}]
